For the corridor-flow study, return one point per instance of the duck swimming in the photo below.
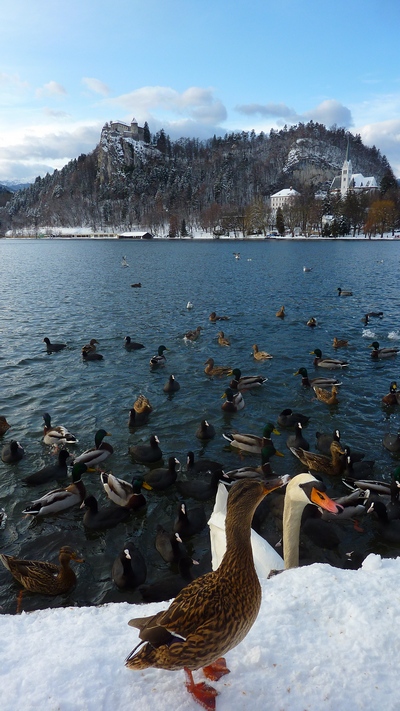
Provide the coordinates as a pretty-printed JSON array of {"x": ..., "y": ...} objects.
[
  {"x": 344, "y": 293},
  {"x": 333, "y": 465},
  {"x": 212, "y": 369},
  {"x": 234, "y": 401},
  {"x": 196, "y": 631},
  {"x": 339, "y": 342},
  {"x": 281, "y": 312},
  {"x": 260, "y": 355},
  {"x": 12, "y": 452},
  {"x": 222, "y": 340},
  {"x": 53, "y": 347},
  {"x": 129, "y": 569},
  {"x": 246, "y": 382},
  {"x": 98, "y": 453},
  {"x": 378, "y": 353},
  {"x": 321, "y": 382},
  {"x": 249, "y": 442},
  {"x": 172, "y": 385},
  {"x": 41, "y": 577},
  {"x": 327, "y": 362},
  {"x": 123, "y": 493},
  {"x": 132, "y": 345},
  {"x": 56, "y": 435},
  {"x": 4, "y": 426},
  {"x": 159, "y": 359},
  {"x": 60, "y": 499},
  {"x": 393, "y": 396},
  {"x": 51, "y": 471},
  {"x": 205, "y": 430},
  {"x": 147, "y": 453},
  {"x": 329, "y": 398},
  {"x": 139, "y": 414},
  {"x": 193, "y": 335}
]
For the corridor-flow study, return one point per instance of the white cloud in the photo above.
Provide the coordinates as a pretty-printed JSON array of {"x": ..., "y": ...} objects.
[
  {"x": 55, "y": 114},
  {"x": 96, "y": 86},
  {"x": 52, "y": 88},
  {"x": 329, "y": 112},
  {"x": 268, "y": 110},
  {"x": 385, "y": 135}
]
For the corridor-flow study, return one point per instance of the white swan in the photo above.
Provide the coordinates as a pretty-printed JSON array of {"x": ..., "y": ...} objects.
[{"x": 301, "y": 490}]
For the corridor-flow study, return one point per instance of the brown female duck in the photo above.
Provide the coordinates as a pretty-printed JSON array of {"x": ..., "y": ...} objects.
[
  {"x": 334, "y": 465},
  {"x": 212, "y": 369},
  {"x": 213, "y": 613},
  {"x": 42, "y": 577}
]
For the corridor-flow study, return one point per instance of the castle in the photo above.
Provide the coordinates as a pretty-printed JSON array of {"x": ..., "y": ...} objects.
[
  {"x": 351, "y": 181},
  {"x": 128, "y": 131}
]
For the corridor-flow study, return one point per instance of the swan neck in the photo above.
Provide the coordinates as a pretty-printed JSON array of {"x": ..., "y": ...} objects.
[{"x": 292, "y": 512}]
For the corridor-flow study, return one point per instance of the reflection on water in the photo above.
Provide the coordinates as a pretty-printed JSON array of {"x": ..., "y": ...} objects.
[{"x": 73, "y": 291}]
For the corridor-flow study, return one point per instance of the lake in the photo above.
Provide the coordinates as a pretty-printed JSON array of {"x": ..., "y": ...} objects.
[{"x": 75, "y": 290}]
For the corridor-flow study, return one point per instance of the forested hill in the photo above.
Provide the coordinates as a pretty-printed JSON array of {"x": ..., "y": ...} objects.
[{"x": 125, "y": 183}]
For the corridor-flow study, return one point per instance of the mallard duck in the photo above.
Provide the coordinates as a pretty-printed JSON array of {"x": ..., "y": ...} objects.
[
  {"x": 202, "y": 465},
  {"x": 382, "y": 352},
  {"x": 388, "y": 529},
  {"x": 56, "y": 435},
  {"x": 334, "y": 465},
  {"x": 339, "y": 342},
  {"x": 393, "y": 396},
  {"x": 193, "y": 335},
  {"x": 281, "y": 312},
  {"x": 137, "y": 285},
  {"x": 194, "y": 631},
  {"x": 162, "y": 477},
  {"x": 296, "y": 439},
  {"x": 42, "y": 577},
  {"x": 325, "y": 382},
  {"x": 301, "y": 490},
  {"x": 123, "y": 493},
  {"x": 288, "y": 418},
  {"x": 246, "y": 382},
  {"x": 53, "y": 347},
  {"x": 205, "y": 430},
  {"x": 4, "y": 426},
  {"x": 234, "y": 401},
  {"x": 222, "y": 340},
  {"x": 188, "y": 523},
  {"x": 312, "y": 322},
  {"x": 329, "y": 398},
  {"x": 213, "y": 317},
  {"x": 139, "y": 414},
  {"x": 324, "y": 441},
  {"x": 107, "y": 517},
  {"x": 260, "y": 355},
  {"x": 98, "y": 453},
  {"x": 129, "y": 569},
  {"x": 159, "y": 359},
  {"x": 344, "y": 293},
  {"x": 263, "y": 471},
  {"x": 132, "y": 345},
  {"x": 172, "y": 385},
  {"x": 59, "y": 470},
  {"x": 212, "y": 369},
  {"x": 392, "y": 442},
  {"x": 91, "y": 346},
  {"x": 147, "y": 453},
  {"x": 327, "y": 362},
  {"x": 249, "y": 442},
  {"x": 60, "y": 499},
  {"x": 12, "y": 452}
]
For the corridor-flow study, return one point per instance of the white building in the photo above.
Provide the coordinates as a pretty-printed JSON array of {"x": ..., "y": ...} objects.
[
  {"x": 281, "y": 198},
  {"x": 351, "y": 181},
  {"x": 128, "y": 131}
]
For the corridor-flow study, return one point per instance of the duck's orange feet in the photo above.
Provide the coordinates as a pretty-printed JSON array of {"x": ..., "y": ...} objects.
[
  {"x": 19, "y": 601},
  {"x": 357, "y": 527},
  {"x": 217, "y": 669},
  {"x": 202, "y": 692}
]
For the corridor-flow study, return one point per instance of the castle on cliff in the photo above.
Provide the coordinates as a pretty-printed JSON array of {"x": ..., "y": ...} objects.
[{"x": 128, "y": 131}]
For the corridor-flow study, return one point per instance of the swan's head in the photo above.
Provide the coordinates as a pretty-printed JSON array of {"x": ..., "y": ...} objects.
[{"x": 309, "y": 490}]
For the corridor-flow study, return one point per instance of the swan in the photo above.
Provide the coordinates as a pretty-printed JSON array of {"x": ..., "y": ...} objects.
[{"x": 301, "y": 490}]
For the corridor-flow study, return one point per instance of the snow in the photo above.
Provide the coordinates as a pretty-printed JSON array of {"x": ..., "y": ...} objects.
[{"x": 326, "y": 639}]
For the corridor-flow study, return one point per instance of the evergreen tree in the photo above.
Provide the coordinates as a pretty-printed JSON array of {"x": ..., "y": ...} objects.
[
  {"x": 280, "y": 224},
  {"x": 146, "y": 133},
  {"x": 184, "y": 232}
]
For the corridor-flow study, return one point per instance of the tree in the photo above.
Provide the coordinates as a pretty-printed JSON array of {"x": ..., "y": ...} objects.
[
  {"x": 184, "y": 232},
  {"x": 381, "y": 217},
  {"x": 146, "y": 133},
  {"x": 280, "y": 223}
]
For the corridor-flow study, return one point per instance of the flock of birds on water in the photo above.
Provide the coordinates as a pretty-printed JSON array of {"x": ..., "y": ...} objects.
[{"x": 211, "y": 613}]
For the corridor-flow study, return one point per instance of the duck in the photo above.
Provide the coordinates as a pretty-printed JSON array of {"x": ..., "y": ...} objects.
[
  {"x": 98, "y": 453},
  {"x": 393, "y": 396},
  {"x": 193, "y": 335},
  {"x": 312, "y": 322},
  {"x": 172, "y": 385},
  {"x": 301, "y": 490},
  {"x": 288, "y": 418},
  {"x": 213, "y": 317},
  {"x": 324, "y": 441},
  {"x": 188, "y": 523},
  {"x": 4, "y": 426},
  {"x": 12, "y": 452},
  {"x": 356, "y": 468},
  {"x": 260, "y": 355},
  {"x": 147, "y": 453},
  {"x": 91, "y": 346},
  {"x": 56, "y": 435},
  {"x": 339, "y": 342},
  {"x": 201, "y": 466},
  {"x": 344, "y": 293},
  {"x": 39, "y": 576},
  {"x": 168, "y": 544},
  {"x": 392, "y": 442},
  {"x": 223, "y": 340},
  {"x": 378, "y": 353},
  {"x": 212, "y": 369},
  {"x": 159, "y": 359},
  {"x": 307, "y": 269},
  {"x": 60, "y": 499},
  {"x": 189, "y": 305},
  {"x": 91, "y": 355},
  {"x": 59, "y": 470},
  {"x": 297, "y": 439},
  {"x": 388, "y": 529},
  {"x": 246, "y": 382},
  {"x": 168, "y": 587},
  {"x": 129, "y": 569},
  {"x": 333, "y": 465},
  {"x": 137, "y": 285},
  {"x": 132, "y": 345},
  {"x": 323, "y": 395},
  {"x": 205, "y": 431},
  {"x": 327, "y": 362},
  {"x": 199, "y": 489},
  {"x": 320, "y": 382},
  {"x": 234, "y": 401},
  {"x": 281, "y": 312},
  {"x": 162, "y": 477},
  {"x": 249, "y": 442},
  {"x": 193, "y": 632},
  {"x": 53, "y": 347},
  {"x": 123, "y": 493},
  {"x": 97, "y": 519},
  {"x": 139, "y": 413},
  {"x": 263, "y": 471}
]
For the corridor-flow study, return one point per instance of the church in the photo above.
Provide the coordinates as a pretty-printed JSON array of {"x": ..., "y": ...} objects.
[{"x": 348, "y": 180}]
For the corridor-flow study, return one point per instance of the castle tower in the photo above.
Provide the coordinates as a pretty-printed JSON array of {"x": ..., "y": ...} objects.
[
  {"x": 347, "y": 172},
  {"x": 134, "y": 128}
]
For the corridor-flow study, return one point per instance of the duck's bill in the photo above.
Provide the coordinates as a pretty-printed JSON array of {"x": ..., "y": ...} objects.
[
  {"x": 278, "y": 453},
  {"x": 319, "y": 498},
  {"x": 276, "y": 483},
  {"x": 147, "y": 486}
]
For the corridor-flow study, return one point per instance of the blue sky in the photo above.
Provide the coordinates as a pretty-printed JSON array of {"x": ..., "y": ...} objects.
[{"x": 193, "y": 68}]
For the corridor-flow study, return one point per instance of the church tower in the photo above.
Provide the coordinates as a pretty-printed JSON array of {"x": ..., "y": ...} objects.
[{"x": 347, "y": 172}]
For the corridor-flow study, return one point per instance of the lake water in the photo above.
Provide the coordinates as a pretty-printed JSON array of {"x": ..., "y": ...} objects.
[{"x": 72, "y": 291}]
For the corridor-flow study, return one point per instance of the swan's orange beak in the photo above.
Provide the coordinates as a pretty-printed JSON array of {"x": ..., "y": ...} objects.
[{"x": 320, "y": 499}]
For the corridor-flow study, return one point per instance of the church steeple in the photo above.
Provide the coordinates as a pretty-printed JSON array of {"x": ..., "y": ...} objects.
[{"x": 347, "y": 172}]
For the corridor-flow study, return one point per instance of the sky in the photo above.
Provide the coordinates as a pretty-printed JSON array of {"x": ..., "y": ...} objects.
[
  {"x": 193, "y": 68},
  {"x": 326, "y": 639}
]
